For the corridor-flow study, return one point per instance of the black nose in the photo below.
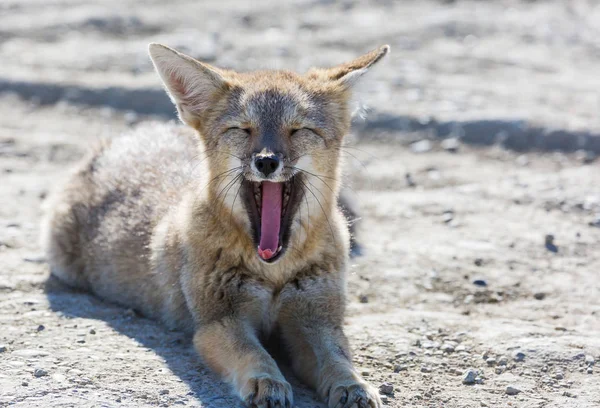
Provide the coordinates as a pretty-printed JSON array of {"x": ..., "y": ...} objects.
[{"x": 266, "y": 164}]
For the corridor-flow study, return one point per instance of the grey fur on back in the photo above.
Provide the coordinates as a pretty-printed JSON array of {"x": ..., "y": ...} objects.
[{"x": 113, "y": 202}]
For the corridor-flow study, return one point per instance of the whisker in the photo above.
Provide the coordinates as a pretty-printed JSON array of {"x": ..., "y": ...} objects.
[{"x": 322, "y": 209}]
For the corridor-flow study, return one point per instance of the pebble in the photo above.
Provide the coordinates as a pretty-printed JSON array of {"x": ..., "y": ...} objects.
[
  {"x": 422, "y": 146},
  {"x": 589, "y": 359},
  {"x": 491, "y": 361},
  {"x": 24, "y": 383},
  {"x": 478, "y": 262},
  {"x": 450, "y": 145},
  {"x": 595, "y": 222},
  {"x": 519, "y": 356},
  {"x": 549, "y": 243},
  {"x": 448, "y": 216},
  {"x": 363, "y": 299},
  {"x": 92, "y": 331},
  {"x": 399, "y": 367},
  {"x": 503, "y": 361},
  {"x": 425, "y": 369},
  {"x": 41, "y": 327},
  {"x": 3, "y": 348},
  {"x": 386, "y": 388},
  {"x": 409, "y": 180},
  {"x": 469, "y": 376},
  {"x": 512, "y": 390},
  {"x": 40, "y": 372},
  {"x": 163, "y": 392},
  {"x": 448, "y": 347},
  {"x": 590, "y": 370},
  {"x": 480, "y": 282},
  {"x": 539, "y": 296}
]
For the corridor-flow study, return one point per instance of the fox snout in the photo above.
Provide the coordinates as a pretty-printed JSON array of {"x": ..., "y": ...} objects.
[{"x": 267, "y": 164}]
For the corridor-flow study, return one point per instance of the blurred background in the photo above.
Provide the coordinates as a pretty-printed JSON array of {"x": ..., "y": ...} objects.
[{"x": 474, "y": 172}]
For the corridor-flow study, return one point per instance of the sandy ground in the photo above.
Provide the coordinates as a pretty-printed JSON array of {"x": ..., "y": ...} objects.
[{"x": 457, "y": 273}]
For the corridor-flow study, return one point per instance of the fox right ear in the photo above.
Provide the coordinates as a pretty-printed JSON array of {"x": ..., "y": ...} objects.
[{"x": 191, "y": 84}]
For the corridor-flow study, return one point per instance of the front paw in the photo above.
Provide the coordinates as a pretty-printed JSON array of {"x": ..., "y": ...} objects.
[
  {"x": 267, "y": 392},
  {"x": 354, "y": 394}
]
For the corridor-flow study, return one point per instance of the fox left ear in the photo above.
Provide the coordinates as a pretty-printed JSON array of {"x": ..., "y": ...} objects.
[
  {"x": 347, "y": 74},
  {"x": 191, "y": 84}
]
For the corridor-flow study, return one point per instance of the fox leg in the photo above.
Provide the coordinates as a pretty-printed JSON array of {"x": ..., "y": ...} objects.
[
  {"x": 311, "y": 328},
  {"x": 231, "y": 348}
]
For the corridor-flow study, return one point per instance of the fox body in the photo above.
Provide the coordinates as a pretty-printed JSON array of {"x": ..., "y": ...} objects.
[{"x": 229, "y": 228}]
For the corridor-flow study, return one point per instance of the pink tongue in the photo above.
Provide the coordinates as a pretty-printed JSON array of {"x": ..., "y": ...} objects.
[{"x": 270, "y": 219}]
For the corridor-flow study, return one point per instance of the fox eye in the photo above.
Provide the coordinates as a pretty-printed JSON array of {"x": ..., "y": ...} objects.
[
  {"x": 294, "y": 131},
  {"x": 247, "y": 130}
]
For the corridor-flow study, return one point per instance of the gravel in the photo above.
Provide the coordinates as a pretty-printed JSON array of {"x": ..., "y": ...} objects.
[
  {"x": 386, "y": 388},
  {"x": 519, "y": 356},
  {"x": 470, "y": 376},
  {"x": 40, "y": 372},
  {"x": 589, "y": 359},
  {"x": 512, "y": 390}
]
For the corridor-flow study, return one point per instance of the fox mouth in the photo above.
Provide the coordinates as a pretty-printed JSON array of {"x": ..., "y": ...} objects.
[{"x": 271, "y": 207}]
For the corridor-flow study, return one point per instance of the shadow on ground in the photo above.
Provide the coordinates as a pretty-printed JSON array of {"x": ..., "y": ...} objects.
[
  {"x": 514, "y": 134},
  {"x": 174, "y": 347}
]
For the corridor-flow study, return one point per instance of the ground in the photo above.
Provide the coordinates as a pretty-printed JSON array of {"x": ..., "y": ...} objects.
[{"x": 475, "y": 172}]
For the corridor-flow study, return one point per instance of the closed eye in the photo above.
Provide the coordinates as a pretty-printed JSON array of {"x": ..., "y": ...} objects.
[
  {"x": 247, "y": 130},
  {"x": 294, "y": 131}
]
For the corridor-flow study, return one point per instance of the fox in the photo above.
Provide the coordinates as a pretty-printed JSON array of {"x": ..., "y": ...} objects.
[{"x": 227, "y": 228}]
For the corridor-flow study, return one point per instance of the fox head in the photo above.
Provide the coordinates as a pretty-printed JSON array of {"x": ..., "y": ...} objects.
[{"x": 272, "y": 140}]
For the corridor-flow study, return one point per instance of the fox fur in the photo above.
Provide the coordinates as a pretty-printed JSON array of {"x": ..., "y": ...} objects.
[{"x": 155, "y": 220}]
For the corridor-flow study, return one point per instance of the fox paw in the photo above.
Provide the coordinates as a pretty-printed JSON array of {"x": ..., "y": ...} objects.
[
  {"x": 268, "y": 392},
  {"x": 354, "y": 395}
]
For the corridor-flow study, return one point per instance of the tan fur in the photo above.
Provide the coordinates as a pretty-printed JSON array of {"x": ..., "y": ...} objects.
[{"x": 147, "y": 221}]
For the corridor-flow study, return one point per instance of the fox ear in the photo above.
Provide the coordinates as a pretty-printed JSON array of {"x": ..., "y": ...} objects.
[
  {"x": 191, "y": 84},
  {"x": 347, "y": 74}
]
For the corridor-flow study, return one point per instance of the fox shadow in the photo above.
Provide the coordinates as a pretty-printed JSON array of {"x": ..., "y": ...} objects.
[{"x": 174, "y": 347}]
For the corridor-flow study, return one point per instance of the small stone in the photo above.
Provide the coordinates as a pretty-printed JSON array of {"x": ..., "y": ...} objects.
[
  {"x": 590, "y": 360},
  {"x": 3, "y": 348},
  {"x": 595, "y": 222},
  {"x": 163, "y": 392},
  {"x": 422, "y": 146},
  {"x": 512, "y": 390},
  {"x": 409, "y": 180},
  {"x": 519, "y": 356},
  {"x": 425, "y": 369},
  {"x": 363, "y": 299},
  {"x": 24, "y": 383},
  {"x": 499, "y": 370},
  {"x": 469, "y": 376},
  {"x": 559, "y": 376},
  {"x": 448, "y": 347},
  {"x": 448, "y": 216},
  {"x": 40, "y": 372},
  {"x": 399, "y": 367},
  {"x": 478, "y": 262},
  {"x": 365, "y": 373},
  {"x": 41, "y": 327},
  {"x": 539, "y": 295},
  {"x": 502, "y": 361},
  {"x": 461, "y": 348},
  {"x": 386, "y": 388},
  {"x": 491, "y": 361},
  {"x": 450, "y": 145},
  {"x": 92, "y": 331},
  {"x": 590, "y": 370},
  {"x": 549, "y": 243},
  {"x": 480, "y": 282}
]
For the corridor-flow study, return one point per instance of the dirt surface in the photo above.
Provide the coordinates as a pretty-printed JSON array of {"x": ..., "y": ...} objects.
[{"x": 474, "y": 258}]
